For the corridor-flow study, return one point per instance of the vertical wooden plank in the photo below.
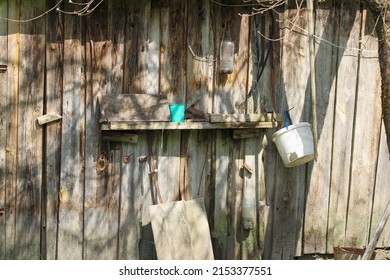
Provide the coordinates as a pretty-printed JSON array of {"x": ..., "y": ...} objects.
[
  {"x": 12, "y": 132},
  {"x": 317, "y": 201},
  {"x": 153, "y": 85},
  {"x": 71, "y": 196},
  {"x": 165, "y": 155},
  {"x": 200, "y": 67},
  {"x": 235, "y": 201},
  {"x": 173, "y": 48},
  {"x": 366, "y": 137},
  {"x": 105, "y": 55},
  {"x": 54, "y": 91},
  {"x": 259, "y": 94},
  {"x": 31, "y": 87},
  {"x": 231, "y": 89},
  {"x": 101, "y": 218},
  {"x": 137, "y": 32},
  {"x": 222, "y": 182},
  {"x": 347, "y": 63},
  {"x": 290, "y": 183},
  {"x": 130, "y": 202},
  {"x": 3, "y": 126},
  {"x": 116, "y": 32},
  {"x": 253, "y": 176},
  {"x": 148, "y": 194},
  {"x": 270, "y": 157},
  {"x": 382, "y": 191}
]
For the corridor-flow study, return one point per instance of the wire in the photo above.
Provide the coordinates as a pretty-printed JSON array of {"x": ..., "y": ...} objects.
[
  {"x": 86, "y": 10},
  {"x": 235, "y": 5},
  {"x": 34, "y": 18}
]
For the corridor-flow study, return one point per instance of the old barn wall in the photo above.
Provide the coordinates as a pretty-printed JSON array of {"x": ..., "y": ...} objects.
[{"x": 55, "y": 205}]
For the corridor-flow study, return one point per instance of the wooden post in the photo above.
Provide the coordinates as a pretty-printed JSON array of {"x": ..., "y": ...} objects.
[
  {"x": 371, "y": 246},
  {"x": 310, "y": 23}
]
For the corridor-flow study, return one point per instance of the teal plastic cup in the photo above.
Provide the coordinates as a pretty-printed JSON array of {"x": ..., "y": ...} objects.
[{"x": 177, "y": 112}]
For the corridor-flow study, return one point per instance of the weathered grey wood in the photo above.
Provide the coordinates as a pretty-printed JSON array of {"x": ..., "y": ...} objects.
[
  {"x": 343, "y": 125},
  {"x": 48, "y": 118},
  {"x": 221, "y": 118},
  {"x": 3, "y": 128},
  {"x": 374, "y": 239},
  {"x": 165, "y": 156},
  {"x": 117, "y": 41},
  {"x": 185, "y": 125},
  {"x": 71, "y": 192},
  {"x": 54, "y": 92},
  {"x": 317, "y": 201},
  {"x": 30, "y": 106},
  {"x": 120, "y": 137},
  {"x": 102, "y": 190},
  {"x": 181, "y": 230},
  {"x": 252, "y": 171},
  {"x": 173, "y": 48},
  {"x": 134, "y": 107},
  {"x": 231, "y": 89},
  {"x": 154, "y": 49},
  {"x": 382, "y": 190},
  {"x": 201, "y": 66},
  {"x": 197, "y": 158},
  {"x": 101, "y": 219},
  {"x": 235, "y": 195},
  {"x": 366, "y": 138},
  {"x": 131, "y": 200},
  {"x": 12, "y": 131},
  {"x": 220, "y": 228},
  {"x": 290, "y": 185},
  {"x": 136, "y": 56}
]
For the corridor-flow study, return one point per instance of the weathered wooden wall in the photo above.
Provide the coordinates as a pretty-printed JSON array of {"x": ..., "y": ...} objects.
[{"x": 53, "y": 203}]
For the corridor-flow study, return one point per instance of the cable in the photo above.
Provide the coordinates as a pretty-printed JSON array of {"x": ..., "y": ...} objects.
[{"x": 34, "y": 18}]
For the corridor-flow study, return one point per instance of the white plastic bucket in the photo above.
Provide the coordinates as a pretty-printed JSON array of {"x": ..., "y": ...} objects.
[{"x": 295, "y": 144}]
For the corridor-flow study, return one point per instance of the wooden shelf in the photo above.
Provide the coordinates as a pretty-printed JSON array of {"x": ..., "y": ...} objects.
[{"x": 223, "y": 121}]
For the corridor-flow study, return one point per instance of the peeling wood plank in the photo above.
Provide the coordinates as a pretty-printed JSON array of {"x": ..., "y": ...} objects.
[
  {"x": 29, "y": 169},
  {"x": 70, "y": 217},
  {"x": 54, "y": 91}
]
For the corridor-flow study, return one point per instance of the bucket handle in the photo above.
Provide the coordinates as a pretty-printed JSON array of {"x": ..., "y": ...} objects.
[{"x": 287, "y": 118}]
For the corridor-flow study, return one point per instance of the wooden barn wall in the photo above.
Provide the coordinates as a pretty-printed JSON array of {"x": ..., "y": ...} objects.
[{"x": 54, "y": 204}]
